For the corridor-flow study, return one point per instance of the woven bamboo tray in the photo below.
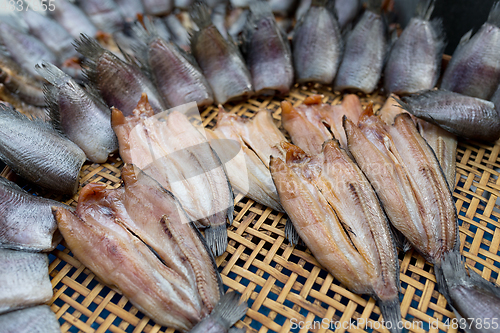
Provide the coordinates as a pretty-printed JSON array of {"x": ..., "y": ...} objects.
[{"x": 285, "y": 285}]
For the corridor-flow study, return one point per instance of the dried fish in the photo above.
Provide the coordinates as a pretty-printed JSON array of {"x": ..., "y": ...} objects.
[
  {"x": 103, "y": 13},
  {"x": 347, "y": 10},
  {"x": 82, "y": 116},
  {"x": 158, "y": 7},
  {"x": 129, "y": 9},
  {"x": 14, "y": 100},
  {"x": 267, "y": 52},
  {"x": 36, "y": 151},
  {"x": 180, "y": 35},
  {"x": 73, "y": 19},
  {"x": 24, "y": 278},
  {"x": 220, "y": 60},
  {"x": 317, "y": 44},
  {"x": 38, "y": 319},
  {"x": 283, "y": 8}
]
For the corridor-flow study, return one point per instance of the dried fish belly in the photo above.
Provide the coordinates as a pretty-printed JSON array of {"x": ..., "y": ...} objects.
[
  {"x": 38, "y": 152},
  {"x": 142, "y": 228},
  {"x": 24, "y": 280},
  {"x": 26, "y": 221},
  {"x": 38, "y": 319},
  {"x": 172, "y": 151},
  {"x": 336, "y": 213}
]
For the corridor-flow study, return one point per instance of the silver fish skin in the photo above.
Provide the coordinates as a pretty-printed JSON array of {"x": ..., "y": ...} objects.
[
  {"x": 24, "y": 280},
  {"x": 347, "y": 10},
  {"x": 470, "y": 295},
  {"x": 176, "y": 74},
  {"x": 317, "y": 44},
  {"x": 414, "y": 62},
  {"x": 73, "y": 19},
  {"x": 474, "y": 68},
  {"x": 158, "y": 7},
  {"x": 26, "y": 220},
  {"x": 267, "y": 52},
  {"x": 51, "y": 33},
  {"x": 183, "y": 4},
  {"x": 364, "y": 54},
  {"x": 180, "y": 35},
  {"x": 237, "y": 27},
  {"x": 39, "y": 153},
  {"x": 25, "y": 49},
  {"x": 220, "y": 60},
  {"x": 103, "y": 13},
  {"x": 130, "y": 8},
  {"x": 119, "y": 83},
  {"x": 465, "y": 116},
  {"x": 84, "y": 118},
  {"x": 226, "y": 313},
  {"x": 38, "y": 319},
  {"x": 283, "y": 8}
]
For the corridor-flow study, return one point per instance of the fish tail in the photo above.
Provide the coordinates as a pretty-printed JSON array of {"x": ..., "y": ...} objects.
[
  {"x": 449, "y": 272},
  {"x": 391, "y": 310},
  {"x": 424, "y": 9},
  {"x": 230, "y": 308},
  {"x": 91, "y": 50},
  {"x": 200, "y": 14},
  {"x": 291, "y": 233},
  {"x": 439, "y": 271},
  {"x": 216, "y": 237},
  {"x": 494, "y": 16},
  {"x": 52, "y": 73},
  {"x": 51, "y": 94}
]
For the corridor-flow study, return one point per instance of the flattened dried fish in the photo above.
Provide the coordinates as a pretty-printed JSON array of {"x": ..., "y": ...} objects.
[
  {"x": 220, "y": 60},
  {"x": 172, "y": 151},
  {"x": 26, "y": 221},
  {"x": 38, "y": 319},
  {"x": 317, "y": 44},
  {"x": 465, "y": 116},
  {"x": 336, "y": 213},
  {"x": 38, "y": 152},
  {"x": 83, "y": 117},
  {"x": 120, "y": 84},
  {"x": 24, "y": 279},
  {"x": 114, "y": 233},
  {"x": 414, "y": 63},
  {"x": 364, "y": 53},
  {"x": 474, "y": 68},
  {"x": 267, "y": 52}
]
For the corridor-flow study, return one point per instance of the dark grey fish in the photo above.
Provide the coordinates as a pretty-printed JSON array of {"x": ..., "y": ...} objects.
[
  {"x": 267, "y": 52},
  {"x": 220, "y": 60},
  {"x": 364, "y": 53},
  {"x": 82, "y": 116},
  {"x": 38, "y": 319},
  {"x": 414, "y": 63},
  {"x": 158, "y": 7},
  {"x": 283, "y": 7},
  {"x": 465, "y": 116},
  {"x": 51, "y": 33},
  {"x": 25, "y": 49},
  {"x": 103, "y": 13},
  {"x": 24, "y": 279},
  {"x": 180, "y": 35},
  {"x": 474, "y": 68},
  {"x": 475, "y": 301},
  {"x": 175, "y": 73},
  {"x": 119, "y": 83},
  {"x": 26, "y": 220},
  {"x": 73, "y": 19},
  {"x": 130, "y": 8},
  {"x": 226, "y": 313},
  {"x": 39, "y": 153},
  {"x": 317, "y": 44},
  {"x": 347, "y": 10}
]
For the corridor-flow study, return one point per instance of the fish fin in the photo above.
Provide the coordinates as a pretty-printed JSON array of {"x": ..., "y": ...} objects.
[
  {"x": 441, "y": 280},
  {"x": 391, "y": 310},
  {"x": 52, "y": 73},
  {"x": 95, "y": 94},
  {"x": 140, "y": 47},
  {"x": 230, "y": 309},
  {"x": 91, "y": 50},
  {"x": 216, "y": 237},
  {"x": 437, "y": 26},
  {"x": 13, "y": 186},
  {"x": 51, "y": 94},
  {"x": 494, "y": 16},
  {"x": 291, "y": 233},
  {"x": 424, "y": 9},
  {"x": 465, "y": 39},
  {"x": 200, "y": 14}
]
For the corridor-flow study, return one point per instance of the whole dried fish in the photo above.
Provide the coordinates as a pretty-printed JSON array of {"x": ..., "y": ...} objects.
[
  {"x": 83, "y": 117},
  {"x": 73, "y": 19},
  {"x": 220, "y": 60},
  {"x": 38, "y": 319},
  {"x": 119, "y": 83},
  {"x": 465, "y": 116},
  {"x": 317, "y": 44},
  {"x": 24, "y": 279},
  {"x": 414, "y": 62},
  {"x": 39, "y": 153},
  {"x": 172, "y": 151},
  {"x": 141, "y": 227},
  {"x": 103, "y": 13},
  {"x": 26, "y": 221},
  {"x": 347, "y": 10},
  {"x": 158, "y": 7},
  {"x": 474, "y": 68},
  {"x": 175, "y": 72},
  {"x": 364, "y": 53},
  {"x": 267, "y": 52},
  {"x": 337, "y": 214}
]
